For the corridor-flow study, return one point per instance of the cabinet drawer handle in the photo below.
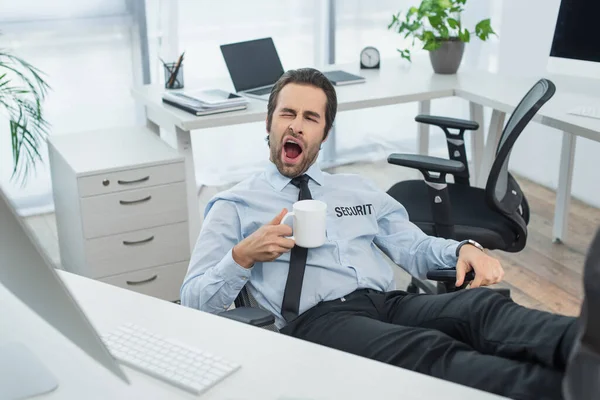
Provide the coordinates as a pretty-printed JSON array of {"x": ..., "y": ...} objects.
[
  {"x": 133, "y": 283},
  {"x": 134, "y": 242},
  {"x": 144, "y": 179},
  {"x": 129, "y": 202}
]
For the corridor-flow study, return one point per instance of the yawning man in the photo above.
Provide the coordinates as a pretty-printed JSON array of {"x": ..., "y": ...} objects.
[{"x": 475, "y": 337}]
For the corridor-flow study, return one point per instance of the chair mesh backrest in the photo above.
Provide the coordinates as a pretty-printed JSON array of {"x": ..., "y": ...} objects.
[{"x": 502, "y": 190}]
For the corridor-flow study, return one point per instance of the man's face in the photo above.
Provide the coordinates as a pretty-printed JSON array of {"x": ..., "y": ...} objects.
[{"x": 297, "y": 128}]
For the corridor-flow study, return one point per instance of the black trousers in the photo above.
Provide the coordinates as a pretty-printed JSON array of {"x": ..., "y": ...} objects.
[{"x": 474, "y": 337}]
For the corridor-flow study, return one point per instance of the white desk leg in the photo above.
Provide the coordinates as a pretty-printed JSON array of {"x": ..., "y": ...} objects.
[
  {"x": 477, "y": 140},
  {"x": 563, "y": 192},
  {"x": 184, "y": 145},
  {"x": 491, "y": 144},
  {"x": 423, "y": 129},
  {"x": 153, "y": 126}
]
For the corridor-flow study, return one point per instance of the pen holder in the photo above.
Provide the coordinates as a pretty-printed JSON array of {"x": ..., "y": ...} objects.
[{"x": 173, "y": 76}]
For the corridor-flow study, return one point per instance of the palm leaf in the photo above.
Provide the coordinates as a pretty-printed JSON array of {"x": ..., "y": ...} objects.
[{"x": 22, "y": 92}]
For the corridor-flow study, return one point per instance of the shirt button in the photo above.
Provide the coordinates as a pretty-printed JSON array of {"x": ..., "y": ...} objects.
[
  {"x": 225, "y": 306},
  {"x": 244, "y": 278}
]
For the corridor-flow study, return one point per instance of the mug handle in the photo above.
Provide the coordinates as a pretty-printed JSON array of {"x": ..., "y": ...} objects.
[{"x": 290, "y": 213}]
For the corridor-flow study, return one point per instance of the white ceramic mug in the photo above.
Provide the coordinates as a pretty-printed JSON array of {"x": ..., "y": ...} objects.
[{"x": 309, "y": 223}]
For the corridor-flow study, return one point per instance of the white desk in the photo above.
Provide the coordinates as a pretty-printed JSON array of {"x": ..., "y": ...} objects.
[
  {"x": 274, "y": 366},
  {"x": 397, "y": 83}
]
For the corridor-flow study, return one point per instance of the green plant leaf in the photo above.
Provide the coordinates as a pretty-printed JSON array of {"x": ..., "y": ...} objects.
[
  {"x": 435, "y": 21},
  {"x": 483, "y": 29},
  {"x": 428, "y": 36},
  {"x": 432, "y": 45},
  {"x": 405, "y": 54},
  {"x": 464, "y": 36},
  {"x": 428, "y": 6},
  {"x": 22, "y": 92},
  {"x": 394, "y": 21},
  {"x": 454, "y": 24},
  {"x": 444, "y": 32}
]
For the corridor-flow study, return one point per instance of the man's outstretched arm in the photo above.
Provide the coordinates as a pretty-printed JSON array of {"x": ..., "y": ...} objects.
[{"x": 408, "y": 246}]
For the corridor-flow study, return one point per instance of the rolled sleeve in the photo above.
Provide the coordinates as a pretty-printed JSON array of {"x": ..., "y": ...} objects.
[
  {"x": 231, "y": 272},
  {"x": 448, "y": 254},
  {"x": 214, "y": 279}
]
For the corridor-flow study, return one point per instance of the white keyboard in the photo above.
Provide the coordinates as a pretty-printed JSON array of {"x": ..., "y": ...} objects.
[
  {"x": 190, "y": 369},
  {"x": 587, "y": 111}
]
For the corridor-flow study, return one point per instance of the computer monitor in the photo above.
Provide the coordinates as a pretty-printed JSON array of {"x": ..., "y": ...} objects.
[
  {"x": 575, "y": 47},
  {"x": 252, "y": 64},
  {"x": 27, "y": 273}
]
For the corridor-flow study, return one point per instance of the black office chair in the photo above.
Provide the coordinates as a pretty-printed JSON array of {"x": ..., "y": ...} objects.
[
  {"x": 496, "y": 216},
  {"x": 247, "y": 311},
  {"x": 454, "y": 140}
]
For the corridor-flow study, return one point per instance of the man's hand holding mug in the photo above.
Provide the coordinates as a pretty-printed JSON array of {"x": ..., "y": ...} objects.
[{"x": 270, "y": 241}]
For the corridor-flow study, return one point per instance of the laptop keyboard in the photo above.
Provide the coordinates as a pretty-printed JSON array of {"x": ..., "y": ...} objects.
[
  {"x": 260, "y": 92},
  {"x": 590, "y": 111}
]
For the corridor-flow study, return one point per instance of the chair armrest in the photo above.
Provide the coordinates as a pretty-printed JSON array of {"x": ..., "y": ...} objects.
[
  {"x": 439, "y": 197},
  {"x": 447, "y": 277},
  {"x": 454, "y": 140},
  {"x": 250, "y": 315},
  {"x": 445, "y": 122},
  {"x": 427, "y": 164}
]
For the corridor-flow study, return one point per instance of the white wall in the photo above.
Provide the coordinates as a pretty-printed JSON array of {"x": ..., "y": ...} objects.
[{"x": 527, "y": 31}]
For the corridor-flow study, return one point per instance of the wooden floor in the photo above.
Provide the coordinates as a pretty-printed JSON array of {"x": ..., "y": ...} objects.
[{"x": 545, "y": 275}]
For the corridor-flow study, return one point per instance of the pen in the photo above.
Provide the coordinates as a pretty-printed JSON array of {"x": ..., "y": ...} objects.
[{"x": 174, "y": 74}]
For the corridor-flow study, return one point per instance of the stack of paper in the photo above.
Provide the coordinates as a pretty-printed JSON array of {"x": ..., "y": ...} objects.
[{"x": 205, "y": 102}]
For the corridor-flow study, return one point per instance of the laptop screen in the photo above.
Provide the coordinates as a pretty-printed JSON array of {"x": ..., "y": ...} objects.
[{"x": 252, "y": 64}]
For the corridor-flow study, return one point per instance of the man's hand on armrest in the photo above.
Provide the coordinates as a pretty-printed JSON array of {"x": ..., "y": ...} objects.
[
  {"x": 266, "y": 244},
  {"x": 488, "y": 270}
]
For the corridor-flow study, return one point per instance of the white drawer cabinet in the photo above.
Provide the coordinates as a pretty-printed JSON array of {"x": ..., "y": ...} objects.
[
  {"x": 135, "y": 178},
  {"x": 121, "y": 209},
  {"x": 163, "y": 282},
  {"x": 130, "y": 251},
  {"x": 125, "y": 211}
]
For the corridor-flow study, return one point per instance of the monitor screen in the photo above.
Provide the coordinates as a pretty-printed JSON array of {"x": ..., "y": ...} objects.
[
  {"x": 26, "y": 271},
  {"x": 575, "y": 35},
  {"x": 252, "y": 64}
]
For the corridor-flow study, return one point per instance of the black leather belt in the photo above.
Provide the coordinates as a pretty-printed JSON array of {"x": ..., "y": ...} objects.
[{"x": 359, "y": 292}]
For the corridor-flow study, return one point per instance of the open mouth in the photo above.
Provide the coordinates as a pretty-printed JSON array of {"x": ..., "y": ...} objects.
[{"x": 291, "y": 151}]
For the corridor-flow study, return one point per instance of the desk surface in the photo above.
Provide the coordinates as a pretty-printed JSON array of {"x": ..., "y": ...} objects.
[
  {"x": 392, "y": 85},
  {"x": 398, "y": 82},
  {"x": 274, "y": 366}
]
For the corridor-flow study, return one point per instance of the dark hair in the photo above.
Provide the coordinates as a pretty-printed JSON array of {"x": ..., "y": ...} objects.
[{"x": 305, "y": 76}]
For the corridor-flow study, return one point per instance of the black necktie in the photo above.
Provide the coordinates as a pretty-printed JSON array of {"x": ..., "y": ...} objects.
[{"x": 293, "y": 285}]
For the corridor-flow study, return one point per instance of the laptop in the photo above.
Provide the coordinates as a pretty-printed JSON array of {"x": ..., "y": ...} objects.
[
  {"x": 29, "y": 275},
  {"x": 254, "y": 66}
]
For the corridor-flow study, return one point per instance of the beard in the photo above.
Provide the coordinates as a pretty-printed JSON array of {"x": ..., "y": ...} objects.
[{"x": 301, "y": 163}]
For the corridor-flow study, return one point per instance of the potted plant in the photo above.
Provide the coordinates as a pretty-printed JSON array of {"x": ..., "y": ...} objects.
[
  {"x": 437, "y": 25},
  {"x": 22, "y": 91}
]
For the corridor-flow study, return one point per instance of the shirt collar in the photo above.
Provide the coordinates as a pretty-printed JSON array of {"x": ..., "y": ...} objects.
[{"x": 279, "y": 181}]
